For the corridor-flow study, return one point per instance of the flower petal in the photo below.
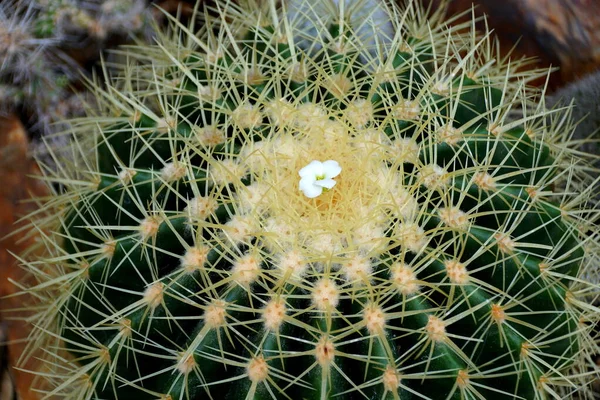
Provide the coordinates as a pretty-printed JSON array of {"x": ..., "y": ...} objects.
[
  {"x": 314, "y": 168},
  {"x": 326, "y": 183},
  {"x": 307, "y": 181},
  {"x": 311, "y": 191},
  {"x": 331, "y": 168}
]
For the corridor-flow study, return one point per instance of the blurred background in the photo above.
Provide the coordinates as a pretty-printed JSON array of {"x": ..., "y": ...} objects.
[{"x": 49, "y": 47}]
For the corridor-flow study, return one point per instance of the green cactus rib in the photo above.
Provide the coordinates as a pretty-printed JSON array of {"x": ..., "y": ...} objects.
[{"x": 445, "y": 263}]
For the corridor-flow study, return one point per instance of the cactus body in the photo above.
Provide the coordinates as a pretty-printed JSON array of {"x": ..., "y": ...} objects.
[{"x": 443, "y": 263}]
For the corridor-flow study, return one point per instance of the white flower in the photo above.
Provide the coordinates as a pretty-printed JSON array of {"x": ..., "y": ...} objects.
[{"x": 318, "y": 176}]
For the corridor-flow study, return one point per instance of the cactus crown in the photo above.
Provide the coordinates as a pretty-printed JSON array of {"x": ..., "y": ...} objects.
[{"x": 442, "y": 242}]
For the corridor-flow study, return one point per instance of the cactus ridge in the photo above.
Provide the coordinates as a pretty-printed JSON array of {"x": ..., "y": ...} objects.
[{"x": 183, "y": 262}]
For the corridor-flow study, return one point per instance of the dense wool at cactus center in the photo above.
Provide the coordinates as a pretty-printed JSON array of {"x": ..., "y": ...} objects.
[{"x": 270, "y": 208}]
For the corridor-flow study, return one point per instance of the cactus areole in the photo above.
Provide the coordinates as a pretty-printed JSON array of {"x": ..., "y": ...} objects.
[{"x": 289, "y": 204}]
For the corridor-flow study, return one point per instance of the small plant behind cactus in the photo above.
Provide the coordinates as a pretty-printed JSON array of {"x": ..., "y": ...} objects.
[
  {"x": 43, "y": 47},
  {"x": 268, "y": 210}
]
